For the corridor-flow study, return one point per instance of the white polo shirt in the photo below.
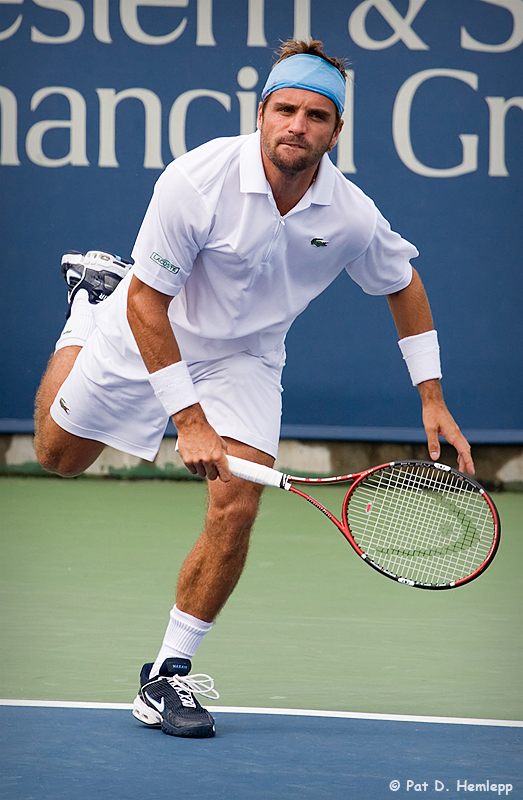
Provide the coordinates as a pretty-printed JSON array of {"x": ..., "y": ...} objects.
[{"x": 240, "y": 272}]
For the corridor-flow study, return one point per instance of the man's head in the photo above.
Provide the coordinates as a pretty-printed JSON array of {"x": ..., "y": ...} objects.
[
  {"x": 302, "y": 102},
  {"x": 309, "y": 68}
]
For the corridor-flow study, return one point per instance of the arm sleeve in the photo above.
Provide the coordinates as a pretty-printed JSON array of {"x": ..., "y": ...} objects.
[
  {"x": 173, "y": 232},
  {"x": 385, "y": 266}
]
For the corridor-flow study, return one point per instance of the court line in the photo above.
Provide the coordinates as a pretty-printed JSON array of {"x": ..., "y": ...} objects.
[{"x": 296, "y": 712}]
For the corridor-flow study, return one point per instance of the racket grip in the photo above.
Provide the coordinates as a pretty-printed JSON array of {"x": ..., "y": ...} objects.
[{"x": 257, "y": 473}]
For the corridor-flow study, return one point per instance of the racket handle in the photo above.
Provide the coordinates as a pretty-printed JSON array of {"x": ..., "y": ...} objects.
[{"x": 257, "y": 473}]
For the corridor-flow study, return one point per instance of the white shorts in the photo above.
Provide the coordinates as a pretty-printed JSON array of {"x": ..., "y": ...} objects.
[{"x": 240, "y": 395}]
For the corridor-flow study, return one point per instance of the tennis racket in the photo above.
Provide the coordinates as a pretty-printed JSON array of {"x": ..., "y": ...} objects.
[{"x": 418, "y": 522}]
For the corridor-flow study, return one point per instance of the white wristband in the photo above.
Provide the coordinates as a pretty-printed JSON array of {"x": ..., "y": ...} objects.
[
  {"x": 421, "y": 354},
  {"x": 173, "y": 387}
]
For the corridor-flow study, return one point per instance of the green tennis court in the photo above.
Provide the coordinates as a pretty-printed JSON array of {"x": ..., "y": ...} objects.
[{"x": 88, "y": 575}]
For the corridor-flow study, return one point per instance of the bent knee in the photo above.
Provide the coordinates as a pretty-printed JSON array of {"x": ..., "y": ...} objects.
[
  {"x": 68, "y": 462},
  {"x": 55, "y": 462}
]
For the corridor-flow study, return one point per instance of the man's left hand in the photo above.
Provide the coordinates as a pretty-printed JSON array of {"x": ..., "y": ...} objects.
[{"x": 438, "y": 421}]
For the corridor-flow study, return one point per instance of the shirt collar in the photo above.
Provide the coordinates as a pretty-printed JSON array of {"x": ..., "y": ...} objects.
[
  {"x": 253, "y": 179},
  {"x": 252, "y": 174},
  {"x": 322, "y": 189}
]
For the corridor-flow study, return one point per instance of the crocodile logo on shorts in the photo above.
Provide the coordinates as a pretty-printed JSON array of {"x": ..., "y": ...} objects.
[
  {"x": 319, "y": 242},
  {"x": 164, "y": 263},
  {"x": 63, "y": 405}
]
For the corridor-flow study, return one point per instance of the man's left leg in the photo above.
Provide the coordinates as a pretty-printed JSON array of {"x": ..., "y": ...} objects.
[
  {"x": 213, "y": 567},
  {"x": 207, "y": 578}
]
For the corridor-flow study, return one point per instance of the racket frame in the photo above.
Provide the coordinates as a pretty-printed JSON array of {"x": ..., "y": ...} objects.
[{"x": 284, "y": 481}]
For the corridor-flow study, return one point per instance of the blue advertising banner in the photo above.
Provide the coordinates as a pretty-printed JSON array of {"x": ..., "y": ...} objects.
[{"x": 98, "y": 96}]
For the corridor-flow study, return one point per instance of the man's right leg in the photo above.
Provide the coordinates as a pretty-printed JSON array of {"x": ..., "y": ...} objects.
[{"x": 57, "y": 450}]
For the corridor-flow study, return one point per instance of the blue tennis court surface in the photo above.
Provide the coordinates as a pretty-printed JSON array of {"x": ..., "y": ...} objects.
[
  {"x": 85, "y": 754},
  {"x": 83, "y": 606}
]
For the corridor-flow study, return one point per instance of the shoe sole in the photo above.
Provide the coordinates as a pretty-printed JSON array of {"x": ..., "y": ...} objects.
[{"x": 204, "y": 732}]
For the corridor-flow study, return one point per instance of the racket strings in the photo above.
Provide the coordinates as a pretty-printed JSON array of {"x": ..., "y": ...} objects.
[{"x": 423, "y": 523}]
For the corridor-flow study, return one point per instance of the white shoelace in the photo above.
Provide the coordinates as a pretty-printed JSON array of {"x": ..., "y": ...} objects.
[{"x": 197, "y": 684}]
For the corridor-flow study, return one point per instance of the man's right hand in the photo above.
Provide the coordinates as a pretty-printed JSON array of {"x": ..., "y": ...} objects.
[{"x": 202, "y": 450}]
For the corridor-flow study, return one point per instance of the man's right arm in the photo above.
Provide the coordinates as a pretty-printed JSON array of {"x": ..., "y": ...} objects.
[{"x": 201, "y": 449}]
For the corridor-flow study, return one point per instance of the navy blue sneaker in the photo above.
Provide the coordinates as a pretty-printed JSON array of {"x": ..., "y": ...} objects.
[
  {"x": 168, "y": 702},
  {"x": 97, "y": 272}
]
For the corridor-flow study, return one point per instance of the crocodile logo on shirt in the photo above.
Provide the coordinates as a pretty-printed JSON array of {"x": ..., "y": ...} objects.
[
  {"x": 319, "y": 242},
  {"x": 164, "y": 263},
  {"x": 63, "y": 405}
]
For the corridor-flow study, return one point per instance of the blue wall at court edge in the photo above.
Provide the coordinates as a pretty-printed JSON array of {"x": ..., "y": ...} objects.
[{"x": 97, "y": 96}]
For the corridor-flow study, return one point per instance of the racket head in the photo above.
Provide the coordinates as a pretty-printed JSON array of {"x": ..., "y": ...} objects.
[{"x": 422, "y": 523}]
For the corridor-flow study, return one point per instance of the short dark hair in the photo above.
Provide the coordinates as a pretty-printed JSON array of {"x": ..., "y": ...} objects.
[{"x": 314, "y": 47}]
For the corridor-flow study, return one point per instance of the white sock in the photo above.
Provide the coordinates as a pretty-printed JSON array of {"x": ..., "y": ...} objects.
[
  {"x": 80, "y": 324},
  {"x": 182, "y": 638}
]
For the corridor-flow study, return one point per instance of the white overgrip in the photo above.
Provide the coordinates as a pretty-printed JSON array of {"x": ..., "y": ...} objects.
[{"x": 257, "y": 473}]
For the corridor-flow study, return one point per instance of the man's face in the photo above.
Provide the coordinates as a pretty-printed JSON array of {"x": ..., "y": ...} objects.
[{"x": 297, "y": 128}]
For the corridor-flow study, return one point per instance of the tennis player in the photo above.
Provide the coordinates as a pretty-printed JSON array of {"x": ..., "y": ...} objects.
[{"x": 240, "y": 235}]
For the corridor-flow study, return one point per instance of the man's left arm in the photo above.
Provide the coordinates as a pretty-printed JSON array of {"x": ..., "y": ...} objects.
[{"x": 411, "y": 313}]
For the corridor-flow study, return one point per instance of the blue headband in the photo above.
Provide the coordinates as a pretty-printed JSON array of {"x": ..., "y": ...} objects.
[{"x": 313, "y": 73}]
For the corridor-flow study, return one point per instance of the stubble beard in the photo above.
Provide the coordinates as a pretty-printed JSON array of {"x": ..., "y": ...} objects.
[{"x": 309, "y": 157}]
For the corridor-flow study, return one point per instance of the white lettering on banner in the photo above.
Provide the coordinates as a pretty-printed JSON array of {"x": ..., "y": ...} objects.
[
  {"x": 8, "y": 129},
  {"x": 256, "y": 24},
  {"x": 345, "y": 148},
  {"x": 178, "y": 114},
  {"x": 128, "y": 17},
  {"x": 12, "y": 29},
  {"x": 101, "y": 21},
  {"x": 302, "y": 19},
  {"x": 247, "y": 79},
  {"x": 75, "y": 14},
  {"x": 153, "y": 126},
  {"x": 498, "y": 111},
  {"x": 401, "y": 125},
  {"x": 131, "y": 25},
  {"x": 357, "y": 24},
  {"x": 204, "y": 34},
  {"x": 400, "y": 25},
  {"x": 77, "y": 155},
  {"x": 515, "y": 7}
]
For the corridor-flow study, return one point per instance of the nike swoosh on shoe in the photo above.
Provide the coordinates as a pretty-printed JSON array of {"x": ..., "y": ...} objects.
[{"x": 159, "y": 706}]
